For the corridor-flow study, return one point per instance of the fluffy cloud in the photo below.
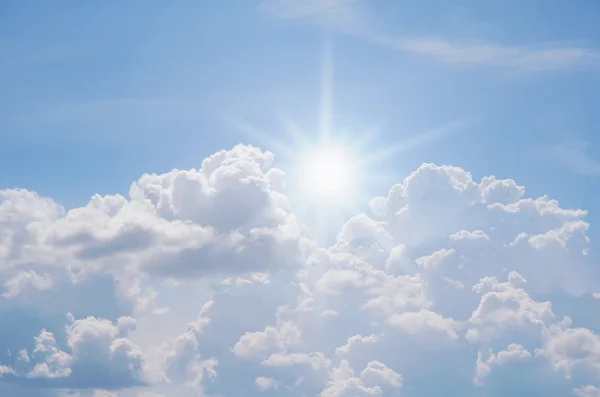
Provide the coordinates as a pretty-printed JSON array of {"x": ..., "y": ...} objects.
[
  {"x": 266, "y": 383},
  {"x": 587, "y": 391},
  {"x": 100, "y": 355},
  {"x": 446, "y": 285},
  {"x": 514, "y": 352},
  {"x": 179, "y": 224}
]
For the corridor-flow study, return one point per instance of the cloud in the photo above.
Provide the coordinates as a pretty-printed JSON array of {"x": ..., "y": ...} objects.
[
  {"x": 99, "y": 356},
  {"x": 573, "y": 157},
  {"x": 569, "y": 349},
  {"x": 25, "y": 279},
  {"x": 354, "y": 341},
  {"x": 587, "y": 391},
  {"x": 418, "y": 323},
  {"x": 264, "y": 384},
  {"x": 491, "y": 54},
  {"x": 514, "y": 352},
  {"x": 446, "y": 284},
  {"x": 180, "y": 224},
  {"x": 343, "y": 383},
  {"x": 352, "y": 17},
  {"x": 341, "y": 14}
]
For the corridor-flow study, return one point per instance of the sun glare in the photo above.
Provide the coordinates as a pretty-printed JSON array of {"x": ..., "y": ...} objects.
[{"x": 329, "y": 174}]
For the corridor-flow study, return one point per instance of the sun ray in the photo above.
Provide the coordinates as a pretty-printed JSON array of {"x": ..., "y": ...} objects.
[
  {"x": 365, "y": 138},
  {"x": 325, "y": 168},
  {"x": 298, "y": 135},
  {"x": 261, "y": 136},
  {"x": 414, "y": 141},
  {"x": 326, "y": 87}
]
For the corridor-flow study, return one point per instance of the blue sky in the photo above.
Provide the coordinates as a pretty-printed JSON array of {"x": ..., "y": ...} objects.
[
  {"x": 119, "y": 89},
  {"x": 96, "y": 94}
]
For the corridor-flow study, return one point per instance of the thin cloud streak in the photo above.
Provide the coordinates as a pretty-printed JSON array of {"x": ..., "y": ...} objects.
[
  {"x": 490, "y": 54},
  {"x": 349, "y": 17},
  {"x": 574, "y": 158},
  {"x": 341, "y": 15}
]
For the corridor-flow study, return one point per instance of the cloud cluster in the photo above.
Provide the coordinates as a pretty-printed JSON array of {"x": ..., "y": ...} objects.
[
  {"x": 228, "y": 217},
  {"x": 446, "y": 285},
  {"x": 100, "y": 355}
]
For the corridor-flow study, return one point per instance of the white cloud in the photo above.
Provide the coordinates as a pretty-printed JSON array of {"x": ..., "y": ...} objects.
[
  {"x": 505, "y": 306},
  {"x": 587, "y": 391},
  {"x": 6, "y": 370},
  {"x": 353, "y": 341},
  {"x": 316, "y": 361},
  {"x": 466, "y": 235},
  {"x": 343, "y": 383},
  {"x": 514, "y": 352},
  {"x": 104, "y": 393},
  {"x": 266, "y": 383},
  {"x": 420, "y": 322},
  {"x": 447, "y": 277},
  {"x": 267, "y": 341},
  {"x": 179, "y": 224},
  {"x": 24, "y": 279},
  {"x": 434, "y": 260},
  {"x": 377, "y": 373},
  {"x": 569, "y": 349},
  {"x": 525, "y": 58},
  {"x": 96, "y": 346}
]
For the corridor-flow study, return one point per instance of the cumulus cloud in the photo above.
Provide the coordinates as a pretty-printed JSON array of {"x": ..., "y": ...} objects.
[
  {"x": 99, "y": 356},
  {"x": 15, "y": 285},
  {"x": 445, "y": 278},
  {"x": 587, "y": 391},
  {"x": 514, "y": 352},
  {"x": 266, "y": 383},
  {"x": 179, "y": 224},
  {"x": 418, "y": 323}
]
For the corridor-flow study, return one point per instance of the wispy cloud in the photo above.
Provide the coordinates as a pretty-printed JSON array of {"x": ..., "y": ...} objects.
[
  {"x": 489, "y": 54},
  {"x": 574, "y": 157},
  {"x": 350, "y": 16},
  {"x": 345, "y": 15}
]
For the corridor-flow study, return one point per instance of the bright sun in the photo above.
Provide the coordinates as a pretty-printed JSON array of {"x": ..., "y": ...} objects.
[{"x": 329, "y": 174}]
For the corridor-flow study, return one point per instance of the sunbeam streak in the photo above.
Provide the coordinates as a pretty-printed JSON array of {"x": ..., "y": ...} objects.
[
  {"x": 326, "y": 87},
  {"x": 326, "y": 169}
]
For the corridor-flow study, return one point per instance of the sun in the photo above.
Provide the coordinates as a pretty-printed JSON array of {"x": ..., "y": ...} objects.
[{"x": 329, "y": 174}]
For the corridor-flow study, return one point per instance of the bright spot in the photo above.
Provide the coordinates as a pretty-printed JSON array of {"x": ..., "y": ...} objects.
[{"x": 329, "y": 174}]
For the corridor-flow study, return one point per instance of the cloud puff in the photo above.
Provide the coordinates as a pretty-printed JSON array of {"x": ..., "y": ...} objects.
[
  {"x": 180, "y": 224},
  {"x": 446, "y": 285},
  {"x": 264, "y": 384},
  {"x": 99, "y": 356}
]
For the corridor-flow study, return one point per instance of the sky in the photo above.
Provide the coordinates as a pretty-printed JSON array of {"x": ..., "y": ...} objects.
[{"x": 331, "y": 198}]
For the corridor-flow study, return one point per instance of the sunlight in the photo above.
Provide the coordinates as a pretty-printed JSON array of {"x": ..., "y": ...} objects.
[{"x": 329, "y": 174}]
